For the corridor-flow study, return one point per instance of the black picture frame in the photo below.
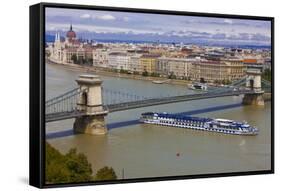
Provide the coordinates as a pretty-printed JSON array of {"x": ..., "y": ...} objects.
[{"x": 37, "y": 93}]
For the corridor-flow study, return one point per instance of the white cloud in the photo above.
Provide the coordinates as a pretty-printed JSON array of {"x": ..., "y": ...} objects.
[
  {"x": 106, "y": 17},
  {"x": 97, "y": 29},
  {"x": 228, "y": 21},
  {"x": 85, "y": 16}
]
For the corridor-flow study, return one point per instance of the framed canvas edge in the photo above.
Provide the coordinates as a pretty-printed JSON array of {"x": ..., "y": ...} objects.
[
  {"x": 35, "y": 96},
  {"x": 38, "y": 88}
]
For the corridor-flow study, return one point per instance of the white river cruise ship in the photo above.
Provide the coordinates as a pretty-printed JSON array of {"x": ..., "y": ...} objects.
[{"x": 225, "y": 126}]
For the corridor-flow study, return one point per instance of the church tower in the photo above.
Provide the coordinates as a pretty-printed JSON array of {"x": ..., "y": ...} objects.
[{"x": 57, "y": 39}]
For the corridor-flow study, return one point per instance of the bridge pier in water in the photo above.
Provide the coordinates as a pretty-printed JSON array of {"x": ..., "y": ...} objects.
[
  {"x": 90, "y": 104},
  {"x": 253, "y": 82},
  {"x": 253, "y": 99}
]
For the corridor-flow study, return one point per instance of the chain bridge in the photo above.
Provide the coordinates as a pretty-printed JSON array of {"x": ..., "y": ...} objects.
[{"x": 90, "y": 102}]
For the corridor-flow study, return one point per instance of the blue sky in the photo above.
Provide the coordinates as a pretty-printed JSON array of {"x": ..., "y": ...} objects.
[{"x": 166, "y": 28}]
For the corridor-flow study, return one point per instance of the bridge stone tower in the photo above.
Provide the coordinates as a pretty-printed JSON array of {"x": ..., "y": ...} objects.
[
  {"x": 253, "y": 82},
  {"x": 90, "y": 103}
]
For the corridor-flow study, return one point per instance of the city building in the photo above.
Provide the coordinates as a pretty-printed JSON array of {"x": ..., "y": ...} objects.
[
  {"x": 69, "y": 50},
  {"x": 148, "y": 62},
  {"x": 236, "y": 68},
  {"x": 207, "y": 63},
  {"x": 100, "y": 57},
  {"x": 163, "y": 66},
  {"x": 180, "y": 67},
  {"x": 135, "y": 65},
  {"x": 218, "y": 71},
  {"x": 118, "y": 60},
  {"x": 252, "y": 63}
]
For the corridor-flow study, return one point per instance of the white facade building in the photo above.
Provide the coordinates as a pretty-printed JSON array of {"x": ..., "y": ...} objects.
[
  {"x": 180, "y": 67},
  {"x": 118, "y": 60},
  {"x": 100, "y": 57},
  {"x": 134, "y": 64}
]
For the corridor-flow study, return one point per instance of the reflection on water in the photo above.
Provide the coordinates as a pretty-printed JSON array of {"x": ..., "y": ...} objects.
[{"x": 144, "y": 150}]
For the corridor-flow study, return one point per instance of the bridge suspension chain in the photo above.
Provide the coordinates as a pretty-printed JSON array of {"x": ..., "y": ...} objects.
[
  {"x": 114, "y": 97},
  {"x": 66, "y": 102}
]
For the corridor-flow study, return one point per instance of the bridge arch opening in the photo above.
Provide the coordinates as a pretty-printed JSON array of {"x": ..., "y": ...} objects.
[
  {"x": 251, "y": 84},
  {"x": 84, "y": 97}
]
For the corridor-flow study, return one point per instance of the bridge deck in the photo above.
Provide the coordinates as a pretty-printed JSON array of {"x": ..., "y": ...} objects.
[
  {"x": 167, "y": 100},
  {"x": 146, "y": 103},
  {"x": 62, "y": 116}
]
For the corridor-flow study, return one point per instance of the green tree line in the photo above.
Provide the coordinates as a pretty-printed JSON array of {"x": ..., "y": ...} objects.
[
  {"x": 267, "y": 74},
  {"x": 72, "y": 167}
]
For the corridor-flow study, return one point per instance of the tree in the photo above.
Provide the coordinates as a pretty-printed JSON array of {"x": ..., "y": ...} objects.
[
  {"x": 217, "y": 82},
  {"x": 114, "y": 70},
  {"x": 172, "y": 76},
  {"x": 202, "y": 80},
  {"x": 267, "y": 74},
  {"x": 145, "y": 73},
  {"x": 78, "y": 165},
  {"x": 72, "y": 167},
  {"x": 154, "y": 74},
  {"x": 81, "y": 60},
  {"x": 227, "y": 82},
  {"x": 105, "y": 173},
  {"x": 56, "y": 172},
  {"x": 88, "y": 61},
  {"x": 74, "y": 58},
  {"x": 122, "y": 71}
]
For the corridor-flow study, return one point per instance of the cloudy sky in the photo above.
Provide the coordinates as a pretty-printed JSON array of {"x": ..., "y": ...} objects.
[{"x": 154, "y": 27}]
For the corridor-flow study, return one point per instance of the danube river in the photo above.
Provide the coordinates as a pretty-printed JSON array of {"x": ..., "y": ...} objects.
[{"x": 142, "y": 150}]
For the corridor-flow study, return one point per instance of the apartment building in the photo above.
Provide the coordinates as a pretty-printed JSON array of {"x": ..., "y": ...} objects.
[
  {"x": 219, "y": 70},
  {"x": 118, "y": 60},
  {"x": 100, "y": 58},
  {"x": 148, "y": 62}
]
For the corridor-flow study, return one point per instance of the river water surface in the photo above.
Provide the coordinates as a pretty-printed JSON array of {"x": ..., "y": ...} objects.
[{"x": 142, "y": 150}]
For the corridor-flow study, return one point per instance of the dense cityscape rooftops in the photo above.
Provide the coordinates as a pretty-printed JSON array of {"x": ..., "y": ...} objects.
[{"x": 181, "y": 61}]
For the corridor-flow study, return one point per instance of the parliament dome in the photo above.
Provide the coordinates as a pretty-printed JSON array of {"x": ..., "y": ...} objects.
[{"x": 71, "y": 34}]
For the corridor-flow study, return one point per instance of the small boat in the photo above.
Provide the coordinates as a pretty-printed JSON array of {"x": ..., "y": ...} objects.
[
  {"x": 199, "y": 86},
  {"x": 160, "y": 81}
]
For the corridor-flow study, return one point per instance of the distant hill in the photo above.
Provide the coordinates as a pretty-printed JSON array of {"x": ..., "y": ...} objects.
[{"x": 150, "y": 38}]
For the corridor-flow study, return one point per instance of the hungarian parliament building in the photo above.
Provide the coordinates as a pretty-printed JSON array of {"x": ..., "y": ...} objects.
[{"x": 62, "y": 51}]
